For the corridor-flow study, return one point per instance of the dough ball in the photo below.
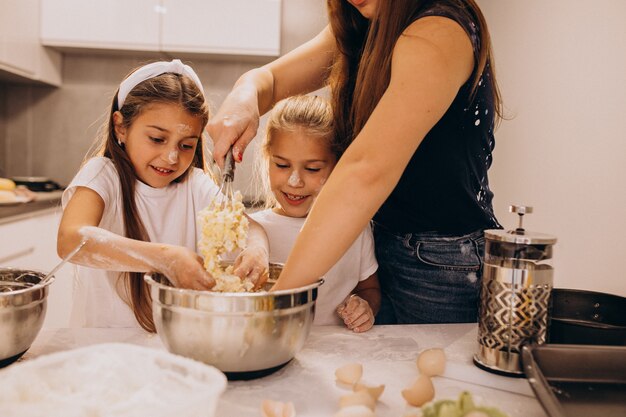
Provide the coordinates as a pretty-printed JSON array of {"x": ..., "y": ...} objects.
[
  {"x": 431, "y": 362},
  {"x": 420, "y": 392}
]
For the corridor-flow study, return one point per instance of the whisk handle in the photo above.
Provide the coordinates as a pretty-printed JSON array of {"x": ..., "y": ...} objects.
[{"x": 229, "y": 166}]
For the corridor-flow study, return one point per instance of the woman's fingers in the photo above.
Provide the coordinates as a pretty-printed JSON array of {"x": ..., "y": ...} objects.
[{"x": 227, "y": 131}]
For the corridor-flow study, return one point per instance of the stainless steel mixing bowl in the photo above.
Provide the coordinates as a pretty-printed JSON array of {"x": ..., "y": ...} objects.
[
  {"x": 245, "y": 335},
  {"x": 22, "y": 311}
]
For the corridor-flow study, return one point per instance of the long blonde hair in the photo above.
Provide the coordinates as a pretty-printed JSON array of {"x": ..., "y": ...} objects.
[
  {"x": 168, "y": 88},
  {"x": 362, "y": 67},
  {"x": 311, "y": 114}
]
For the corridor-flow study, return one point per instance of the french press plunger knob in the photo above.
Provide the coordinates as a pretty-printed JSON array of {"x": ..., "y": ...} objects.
[{"x": 520, "y": 210}]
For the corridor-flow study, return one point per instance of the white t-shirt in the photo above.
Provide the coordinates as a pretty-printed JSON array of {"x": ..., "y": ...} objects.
[
  {"x": 358, "y": 263},
  {"x": 169, "y": 216}
]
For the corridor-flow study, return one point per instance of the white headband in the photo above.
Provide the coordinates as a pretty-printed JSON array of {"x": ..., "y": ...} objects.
[{"x": 153, "y": 70}]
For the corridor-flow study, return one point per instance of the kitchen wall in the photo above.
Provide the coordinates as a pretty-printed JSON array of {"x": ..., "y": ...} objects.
[{"x": 561, "y": 66}]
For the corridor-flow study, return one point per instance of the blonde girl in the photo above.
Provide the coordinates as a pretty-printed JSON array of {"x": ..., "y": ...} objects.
[
  {"x": 298, "y": 153},
  {"x": 134, "y": 200}
]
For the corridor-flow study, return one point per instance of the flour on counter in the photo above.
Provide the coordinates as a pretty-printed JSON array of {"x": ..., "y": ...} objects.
[{"x": 107, "y": 380}]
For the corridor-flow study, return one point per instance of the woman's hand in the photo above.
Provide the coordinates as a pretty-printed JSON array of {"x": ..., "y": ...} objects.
[
  {"x": 183, "y": 267},
  {"x": 252, "y": 264},
  {"x": 235, "y": 124},
  {"x": 356, "y": 313}
]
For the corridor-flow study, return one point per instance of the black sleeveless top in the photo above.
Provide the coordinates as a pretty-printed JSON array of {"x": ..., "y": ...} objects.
[{"x": 445, "y": 188}]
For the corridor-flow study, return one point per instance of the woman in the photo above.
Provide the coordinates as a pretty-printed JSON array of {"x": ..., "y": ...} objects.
[{"x": 415, "y": 100}]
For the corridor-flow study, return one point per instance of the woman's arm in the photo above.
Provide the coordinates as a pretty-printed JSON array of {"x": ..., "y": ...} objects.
[
  {"x": 430, "y": 62},
  {"x": 300, "y": 71},
  {"x": 107, "y": 250}
]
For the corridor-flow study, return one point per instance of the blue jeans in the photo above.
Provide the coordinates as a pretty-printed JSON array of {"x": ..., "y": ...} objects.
[{"x": 428, "y": 277}]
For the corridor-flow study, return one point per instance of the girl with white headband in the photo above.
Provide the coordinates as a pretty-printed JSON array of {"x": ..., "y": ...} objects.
[{"x": 134, "y": 201}]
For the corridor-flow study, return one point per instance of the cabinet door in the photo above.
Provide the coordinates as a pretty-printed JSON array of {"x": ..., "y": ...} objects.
[
  {"x": 110, "y": 24},
  {"x": 31, "y": 244},
  {"x": 233, "y": 27},
  {"x": 19, "y": 36}
]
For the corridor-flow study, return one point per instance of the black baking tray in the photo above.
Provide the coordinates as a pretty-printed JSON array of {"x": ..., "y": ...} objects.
[
  {"x": 580, "y": 317},
  {"x": 577, "y": 380}
]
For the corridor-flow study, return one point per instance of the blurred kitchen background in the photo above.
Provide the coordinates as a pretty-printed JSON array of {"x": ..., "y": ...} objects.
[{"x": 561, "y": 66}]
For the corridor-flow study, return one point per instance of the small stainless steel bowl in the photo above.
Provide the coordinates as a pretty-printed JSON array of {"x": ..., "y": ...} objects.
[
  {"x": 22, "y": 311},
  {"x": 245, "y": 335}
]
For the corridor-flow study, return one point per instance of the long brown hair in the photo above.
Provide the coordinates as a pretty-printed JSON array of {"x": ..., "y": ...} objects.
[
  {"x": 362, "y": 68},
  {"x": 168, "y": 88}
]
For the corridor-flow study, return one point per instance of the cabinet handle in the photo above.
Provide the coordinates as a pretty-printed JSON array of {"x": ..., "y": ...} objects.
[{"x": 16, "y": 255}]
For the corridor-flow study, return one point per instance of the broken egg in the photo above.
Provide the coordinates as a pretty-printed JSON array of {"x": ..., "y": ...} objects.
[
  {"x": 431, "y": 362},
  {"x": 420, "y": 392},
  {"x": 374, "y": 391},
  {"x": 272, "y": 408},
  {"x": 349, "y": 374},
  {"x": 355, "y": 411},
  {"x": 358, "y": 398}
]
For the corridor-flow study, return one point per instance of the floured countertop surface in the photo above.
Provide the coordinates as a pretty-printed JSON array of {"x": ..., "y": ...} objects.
[{"x": 388, "y": 355}]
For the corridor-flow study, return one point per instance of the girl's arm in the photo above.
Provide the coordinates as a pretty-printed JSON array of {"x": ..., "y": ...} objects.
[
  {"x": 430, "y": 62},
  {"x": 107, "y": 250},
  {"x": 369, "y": 290},
  {"x": 302, "y": 70}
]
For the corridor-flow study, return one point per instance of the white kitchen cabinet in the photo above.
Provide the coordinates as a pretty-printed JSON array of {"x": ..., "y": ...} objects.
[
  {"x": 30, "y": 243},
  {"x": 241, "y": 27},
  {"x": 223, "y": 27},
  {"x": 110, "y": 24},
  {"x": 21, "y": 53}
]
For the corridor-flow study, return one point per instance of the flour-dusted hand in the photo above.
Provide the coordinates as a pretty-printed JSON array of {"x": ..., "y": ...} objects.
[
  {"x": 235, "y": 124},
  {"x": 184, "y": 268},
  {"x": 356, "y": 313},
  {"x": 252, "y": 264}
]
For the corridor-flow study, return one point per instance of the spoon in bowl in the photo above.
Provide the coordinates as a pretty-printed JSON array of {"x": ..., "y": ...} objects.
[{"x": 69, "y": 256}]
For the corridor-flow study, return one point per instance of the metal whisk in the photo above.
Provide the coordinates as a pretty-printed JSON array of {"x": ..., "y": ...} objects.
[{"x": 226, "y": 193}]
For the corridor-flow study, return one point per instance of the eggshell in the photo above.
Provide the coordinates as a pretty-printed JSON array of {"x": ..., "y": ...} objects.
[
  {"x": 431, "y": 362},
  {"x": 272, "y": 408},
  {"x": 420, "y": 392},
  {"x": 349, "y": 374},
  {"x": 374, "y": 391},
  {"x": 355, "y": 411},
  {"x": 358, "y": 398}
]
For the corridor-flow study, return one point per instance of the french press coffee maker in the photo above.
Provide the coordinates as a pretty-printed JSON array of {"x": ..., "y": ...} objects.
[{"x": 515, "y": 295}]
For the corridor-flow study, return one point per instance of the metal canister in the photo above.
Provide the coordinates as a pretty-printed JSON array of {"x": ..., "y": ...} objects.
[{"x": 515, "y": 295}]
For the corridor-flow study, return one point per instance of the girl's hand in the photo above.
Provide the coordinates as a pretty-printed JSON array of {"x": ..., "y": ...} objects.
[
  {"x": 252, "y": 264},
  {"x": 235, "y": 124},
  {"x": 183, "y": 267},
  {"x": 356, "y": 313}
]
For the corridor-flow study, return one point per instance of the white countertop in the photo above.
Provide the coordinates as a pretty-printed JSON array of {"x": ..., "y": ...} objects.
[{"x": 387, "y": 353}]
